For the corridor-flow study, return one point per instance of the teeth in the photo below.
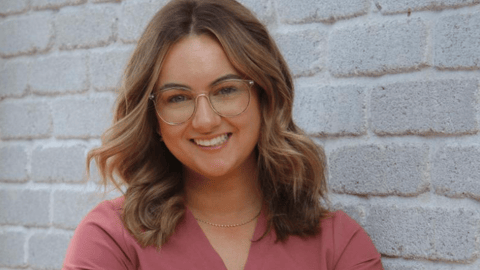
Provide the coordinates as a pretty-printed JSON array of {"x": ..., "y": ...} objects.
[{"x": 213, "y": 142}]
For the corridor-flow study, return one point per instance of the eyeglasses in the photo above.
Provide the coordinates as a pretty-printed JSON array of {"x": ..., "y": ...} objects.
[{"x": 227, "y": 98}]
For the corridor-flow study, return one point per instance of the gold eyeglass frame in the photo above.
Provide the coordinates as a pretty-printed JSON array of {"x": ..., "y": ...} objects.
[{"x": 249, "y": 82}]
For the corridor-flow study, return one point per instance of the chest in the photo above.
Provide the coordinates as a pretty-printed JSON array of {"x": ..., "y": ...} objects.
[
  {"x": 231, "y": 244},
  {"x": 197, "y": 247}
]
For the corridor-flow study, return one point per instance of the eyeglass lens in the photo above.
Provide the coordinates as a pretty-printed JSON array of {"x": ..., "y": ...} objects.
[{"x": 227, "y": 98}]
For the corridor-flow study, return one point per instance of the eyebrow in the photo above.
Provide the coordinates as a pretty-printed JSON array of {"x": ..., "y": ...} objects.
[{"x": 219, "y": 80}]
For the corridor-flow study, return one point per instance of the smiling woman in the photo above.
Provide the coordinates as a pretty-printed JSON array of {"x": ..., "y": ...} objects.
[
  {"x": 200, "y": 64},
  {"x": 217, "y": 174}
]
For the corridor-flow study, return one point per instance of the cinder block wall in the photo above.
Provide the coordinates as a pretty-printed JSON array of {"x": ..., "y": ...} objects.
[{"x": 390, "y": 88}]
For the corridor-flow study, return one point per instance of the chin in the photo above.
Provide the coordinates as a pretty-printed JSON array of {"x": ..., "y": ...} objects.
[{"x": 211, "y": 172}]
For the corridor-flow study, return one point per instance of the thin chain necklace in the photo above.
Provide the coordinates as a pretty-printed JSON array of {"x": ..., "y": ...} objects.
[{"x": 229, "y": 226}]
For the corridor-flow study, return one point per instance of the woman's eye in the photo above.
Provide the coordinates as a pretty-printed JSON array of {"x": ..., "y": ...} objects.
[
  {"x": 177, "y": 99},
  {"x": 225, "y": 91}
]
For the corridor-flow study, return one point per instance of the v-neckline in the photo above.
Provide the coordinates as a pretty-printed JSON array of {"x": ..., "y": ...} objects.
[{"x": 203, "y": 241}]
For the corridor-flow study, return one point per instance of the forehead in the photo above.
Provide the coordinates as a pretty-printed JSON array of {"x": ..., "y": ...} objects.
[{"x": 195, "y": 61}]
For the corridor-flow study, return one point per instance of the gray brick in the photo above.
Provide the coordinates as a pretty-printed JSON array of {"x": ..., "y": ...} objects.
[
  {"x": 434, "y": 234},
  {"x": 12, "y": 78},
  {"x": 456, "y": 40},
  {"x": 375, "y": 49},
  {"x": 12, "y": 252},
  {"x": 55, "y": 4},
  {"x": 379, "y": 170},
  {"x": 399, "y": 232},
  {"x": 456, "y": 171},
  {"x": 47, "y": 250},
  {"x": 25, "y": 34},
  {"x": 59, "y": 74},
  {"x": 303, "y": 50},
  {"x": 105, "y": 1},
  {"x": 70, "y": 207},
  {"x": 398, "y": 264},
  {"x": 403, "y": 6},
  {"x": 455, "y": 234},
  {"x": 263, "y": 9},
  {"x": 59, "y": 164},
  {"x": 8, "y": 7},
  {"x": 24, "y": 119},
  {"x": 130, "y": 25},
  {"x": 106, "y": 67},
  {"x": 82, "y": 116},
  {"x": 13, "y": 163},
  {"x": 301, "y": 11},
  {"x": 24, "y": 207},
  {"x": 85, "y": 27},
  {"x": 425, "y": 107},
  {"x": 330, "y": 110}
]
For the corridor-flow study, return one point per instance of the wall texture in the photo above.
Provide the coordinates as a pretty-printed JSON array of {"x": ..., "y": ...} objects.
[{"x": 390, "y": 88}]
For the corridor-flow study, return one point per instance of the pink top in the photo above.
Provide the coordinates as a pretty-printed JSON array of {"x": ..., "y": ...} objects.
[{"x": 101, "y": 242}]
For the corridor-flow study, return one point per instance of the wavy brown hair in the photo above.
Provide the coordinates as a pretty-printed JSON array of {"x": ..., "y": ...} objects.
[{"x": 291, "y": 167}]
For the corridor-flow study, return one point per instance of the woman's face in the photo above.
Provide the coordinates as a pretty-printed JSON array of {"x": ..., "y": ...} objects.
[{"x": 196, "y": 62}]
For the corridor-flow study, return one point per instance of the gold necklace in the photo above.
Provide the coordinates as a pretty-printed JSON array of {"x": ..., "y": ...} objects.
[{"x": 229, "y": 226}]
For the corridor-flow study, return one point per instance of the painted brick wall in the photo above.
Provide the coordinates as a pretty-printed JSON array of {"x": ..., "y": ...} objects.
[{"x": 390, "y": 88}]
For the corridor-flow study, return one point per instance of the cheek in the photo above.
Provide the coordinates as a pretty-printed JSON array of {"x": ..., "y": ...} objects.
[
  {"x": 253, "y": 125},
  {"x": 257, "y": 115},
  {"x": 176, "y": 148},
  {"x": 160, "y": 128},
  {"x": 165, "y": 130},
  {"x": 170, "y": 135}
]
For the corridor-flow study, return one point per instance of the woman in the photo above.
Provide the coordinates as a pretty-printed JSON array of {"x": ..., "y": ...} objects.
[{"x": 217, "y": 174}]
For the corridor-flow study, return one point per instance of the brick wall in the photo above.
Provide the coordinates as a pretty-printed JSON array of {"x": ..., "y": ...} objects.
[{"x": 390, "y": 88}]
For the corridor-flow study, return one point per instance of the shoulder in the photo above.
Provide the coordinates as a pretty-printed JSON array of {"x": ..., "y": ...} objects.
[
  {"x": 100, "y": 232},
  {"x": 350, "y": 243},
  {"x": 337, "y": 229},
  {"x": 340, "y": 223},
  {"x": 106, "y": 214}
]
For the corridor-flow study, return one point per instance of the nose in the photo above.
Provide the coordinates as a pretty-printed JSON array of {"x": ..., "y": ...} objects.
[{"x": 205, "y": 118}]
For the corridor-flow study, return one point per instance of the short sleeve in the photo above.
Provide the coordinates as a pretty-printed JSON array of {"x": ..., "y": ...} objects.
[
  {"x": 98, "y": 242},
  {"x": 354, "y": 248}
]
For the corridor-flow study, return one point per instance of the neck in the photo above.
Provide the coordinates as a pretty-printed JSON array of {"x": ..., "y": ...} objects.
[{"x": 224, "y": 200}]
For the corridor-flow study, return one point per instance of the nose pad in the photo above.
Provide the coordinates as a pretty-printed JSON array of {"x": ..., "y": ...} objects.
[{"x": 204, "y": 117}]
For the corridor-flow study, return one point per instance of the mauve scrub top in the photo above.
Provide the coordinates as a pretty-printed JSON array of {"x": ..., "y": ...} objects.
[{"x": 101, "y": 242}]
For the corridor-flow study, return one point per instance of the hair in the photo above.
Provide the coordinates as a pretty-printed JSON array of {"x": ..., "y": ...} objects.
[{"x": 291, "y": 167}]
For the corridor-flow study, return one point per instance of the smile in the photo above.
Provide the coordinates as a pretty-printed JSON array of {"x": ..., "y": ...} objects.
[{"x": 213, "y": 142}]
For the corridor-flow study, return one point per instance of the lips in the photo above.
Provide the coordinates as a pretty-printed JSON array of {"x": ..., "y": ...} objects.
[{"x": 219, "y": 140}]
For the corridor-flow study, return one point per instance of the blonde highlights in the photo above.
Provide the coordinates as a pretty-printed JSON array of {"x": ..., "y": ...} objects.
[{"x": 291, "y": 167}]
